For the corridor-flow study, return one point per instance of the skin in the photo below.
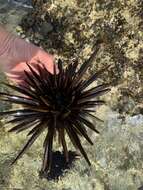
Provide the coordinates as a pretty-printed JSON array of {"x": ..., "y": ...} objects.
[{"x": 15, "y": 52}]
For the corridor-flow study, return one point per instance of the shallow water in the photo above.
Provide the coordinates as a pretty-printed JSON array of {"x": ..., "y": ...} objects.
[
  {"x": 116, "y": 156},
  {"x": 11, "y": 13},
  {"x": 21, "y": 3}
]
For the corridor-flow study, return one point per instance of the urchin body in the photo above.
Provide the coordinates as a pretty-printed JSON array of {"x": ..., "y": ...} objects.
[{"x": 58, "y": 103}]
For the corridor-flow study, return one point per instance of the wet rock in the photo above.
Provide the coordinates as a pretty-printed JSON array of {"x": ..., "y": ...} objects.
[
  {"x": 117, "y": 153},
  {"x": 46, "y": 28}
]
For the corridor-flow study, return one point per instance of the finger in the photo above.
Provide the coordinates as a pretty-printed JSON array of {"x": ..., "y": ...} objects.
[
  {"x": 16, "y": 74},
  {"x": 46, "y": 59}
]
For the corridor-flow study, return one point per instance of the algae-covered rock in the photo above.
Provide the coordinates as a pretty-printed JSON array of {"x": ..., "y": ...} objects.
[
  {"x": 116, "y": 159},
  {"x": 3, "y": 88},
  {"x": 71, "y": 29}
]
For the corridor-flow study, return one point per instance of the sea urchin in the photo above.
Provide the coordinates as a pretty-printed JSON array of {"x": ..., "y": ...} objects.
[{"x": 58, "y": 103}]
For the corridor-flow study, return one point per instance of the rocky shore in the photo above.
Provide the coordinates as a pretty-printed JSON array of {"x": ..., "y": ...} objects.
[{"x": 71, "y": 30}]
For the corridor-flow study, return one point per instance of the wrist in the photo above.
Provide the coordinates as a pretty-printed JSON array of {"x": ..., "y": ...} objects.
[
  {"x": 5, "y": 40},
  {"x": 13, "y": 47}
]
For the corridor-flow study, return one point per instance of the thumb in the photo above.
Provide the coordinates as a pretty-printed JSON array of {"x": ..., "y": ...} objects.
[{"x": 46, "y": 59}]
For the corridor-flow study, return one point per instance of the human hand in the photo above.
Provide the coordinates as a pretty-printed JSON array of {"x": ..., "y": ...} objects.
[{"x": 15, "y": 52}]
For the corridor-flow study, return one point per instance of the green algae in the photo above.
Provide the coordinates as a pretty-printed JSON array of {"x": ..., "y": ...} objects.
[{"x": 118, "y": 151}]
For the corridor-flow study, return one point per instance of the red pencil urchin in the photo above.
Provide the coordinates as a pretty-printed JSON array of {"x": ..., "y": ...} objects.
[{"x": 59, "y": 103}]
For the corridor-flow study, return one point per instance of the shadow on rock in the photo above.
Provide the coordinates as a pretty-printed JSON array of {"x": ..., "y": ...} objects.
[{"x": 59, "y": 165}]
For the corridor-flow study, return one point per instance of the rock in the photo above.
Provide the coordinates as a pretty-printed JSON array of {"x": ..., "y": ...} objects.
[
  {"x": 116, "y": 155},
  {"x": 46, "y": 28},
  {"x": 19, "y": 29}
]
